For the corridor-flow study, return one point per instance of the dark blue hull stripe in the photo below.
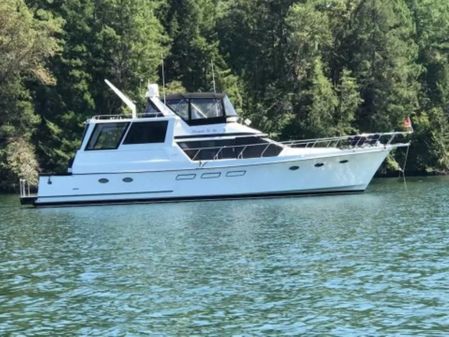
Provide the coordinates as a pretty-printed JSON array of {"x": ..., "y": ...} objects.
[
  {"x": 196, "y": 198},
  {"x": 103, "y": 194}
]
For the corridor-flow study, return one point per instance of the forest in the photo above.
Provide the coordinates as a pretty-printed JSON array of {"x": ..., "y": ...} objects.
[{"x": 295, "y": 68}]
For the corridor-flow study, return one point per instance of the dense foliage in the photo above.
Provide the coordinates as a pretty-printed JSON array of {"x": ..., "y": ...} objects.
[{"x": 296, "y": 68}]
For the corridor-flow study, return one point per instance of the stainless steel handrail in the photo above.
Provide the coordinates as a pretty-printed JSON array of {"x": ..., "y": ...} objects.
[
  {"x": 360, "y": 139},
  {"x": 363, "y": 140},
  {"x": 25, "y": 189},
  {"x": 119, "y": 117}
]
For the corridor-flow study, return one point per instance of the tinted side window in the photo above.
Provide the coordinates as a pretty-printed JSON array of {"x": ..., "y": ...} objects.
[
  {"x": 180, "y": 107},
  {"x": 106, "y": 136},
  {"x": 152, "y": 110},
  {"x": 146, "y": 132}
]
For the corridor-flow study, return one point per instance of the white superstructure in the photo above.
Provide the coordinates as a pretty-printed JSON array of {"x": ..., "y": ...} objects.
[{"x": 193, "y": 147}]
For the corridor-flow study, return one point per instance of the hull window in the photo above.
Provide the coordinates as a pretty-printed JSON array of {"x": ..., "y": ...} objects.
[
  {"x": 235, "y": 173},
  {"x": 107, "y": 136},
  {"x": 293, "y": 168},
  {"x": 185, "y": 176},
  {"x": 211, "y": 175},
  {"x": 319, "y": 164},
  {"x": 344, "y": 161},
  {"x": 127, "y": 180},
  {"x": 146, "y": 132},
  {"x": 103, "y": 181}
]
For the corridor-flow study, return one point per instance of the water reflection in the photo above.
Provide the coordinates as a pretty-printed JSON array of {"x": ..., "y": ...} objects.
[{"x": 369, "y": 264}]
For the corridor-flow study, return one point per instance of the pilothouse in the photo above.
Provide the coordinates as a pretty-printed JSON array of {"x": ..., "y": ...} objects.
[{"x": 193, "y": 146}]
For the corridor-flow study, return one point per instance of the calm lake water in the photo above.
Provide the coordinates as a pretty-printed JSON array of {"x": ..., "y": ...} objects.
[{"x": 372, "y": 264}]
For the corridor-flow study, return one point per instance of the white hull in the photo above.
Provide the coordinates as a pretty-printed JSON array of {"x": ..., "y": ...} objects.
[{"x": 347, "y": 171}]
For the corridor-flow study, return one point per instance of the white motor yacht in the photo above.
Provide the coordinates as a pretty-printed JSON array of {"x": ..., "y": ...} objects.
[{"x": 194, "y": 147}]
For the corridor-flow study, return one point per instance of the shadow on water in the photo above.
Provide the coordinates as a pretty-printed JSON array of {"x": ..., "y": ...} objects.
[{"x": 365, "y": 264}]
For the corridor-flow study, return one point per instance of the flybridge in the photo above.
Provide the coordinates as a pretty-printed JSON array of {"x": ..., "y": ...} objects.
[{"x": 193, "y": 108}]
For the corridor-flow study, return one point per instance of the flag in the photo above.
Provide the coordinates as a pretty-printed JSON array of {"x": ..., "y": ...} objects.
[{"x": 408, "y": 124}]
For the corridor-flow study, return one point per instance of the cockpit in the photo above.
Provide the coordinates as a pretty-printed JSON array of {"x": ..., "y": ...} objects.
[{"x": 200, "y": 108}]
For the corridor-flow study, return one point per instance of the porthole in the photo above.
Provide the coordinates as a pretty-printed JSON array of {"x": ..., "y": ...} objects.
[
  {"x": 344, "y": 161},
  {"x": 127, "y": 180},
  {"x": 103, "y": 181},
  {"x": 319, "y": 164},
  {"x": 293, "y": 168}
]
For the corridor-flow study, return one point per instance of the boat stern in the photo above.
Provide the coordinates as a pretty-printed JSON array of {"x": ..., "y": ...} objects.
[{"x": 26, "y": 197}]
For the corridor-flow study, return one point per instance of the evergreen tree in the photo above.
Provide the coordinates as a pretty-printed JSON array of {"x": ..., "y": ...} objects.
[
  {"x": 191, "y": 25},
  {"x": 296, "y": 68},
  {"x": 322, "y": 102},
  {"x": 430, "y": 149},
  {"x": 382, "y": 54},
  {"x": 349, "y": 101},
  {"x": 26, "y": 42},
  {"x": 121, "y": 40}
]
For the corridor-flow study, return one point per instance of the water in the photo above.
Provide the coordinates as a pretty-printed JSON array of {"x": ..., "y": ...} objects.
[{"x": 372, "y": 264}]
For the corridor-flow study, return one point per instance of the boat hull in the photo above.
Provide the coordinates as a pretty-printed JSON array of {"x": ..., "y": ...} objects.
[{"x": 246, "y": 178}]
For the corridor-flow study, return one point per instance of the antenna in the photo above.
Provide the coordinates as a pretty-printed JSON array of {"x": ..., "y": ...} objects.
[
  {"x": 163, "y": 77},
  {"x": 124, "y": 98},
  {"x": 213, "y": 76}
]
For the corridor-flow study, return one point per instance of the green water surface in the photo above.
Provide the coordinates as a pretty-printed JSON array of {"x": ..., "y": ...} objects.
[{"x": 371, "y": 264}]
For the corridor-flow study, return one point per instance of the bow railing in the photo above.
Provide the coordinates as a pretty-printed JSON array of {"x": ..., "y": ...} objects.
[
  {"x": 352, "y": 141},
  {"x": 269, "y": 148}
]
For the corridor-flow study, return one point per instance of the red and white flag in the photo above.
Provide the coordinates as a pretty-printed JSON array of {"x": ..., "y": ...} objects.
[{"x": 408, "y": 123}]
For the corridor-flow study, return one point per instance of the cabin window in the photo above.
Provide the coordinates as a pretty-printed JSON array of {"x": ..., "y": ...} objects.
[
  {"x": 202, "y": 108},
  {"x": 206, "y": 108},
  {"x": 180, "y": 107},
  {"x": 106, "y": 136},
  {"x": 229, "y": 108},
  {"x": 146, "y": 132},
  {"x": 152, "y": 110},
  {"x": 86, "y": 127}
]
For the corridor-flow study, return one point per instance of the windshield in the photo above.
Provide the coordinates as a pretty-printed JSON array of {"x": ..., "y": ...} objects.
[
  {"x": 180, "y": 107},
  {"x": 206, "y": 108},
  {"x": 202, "y": 108}
]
